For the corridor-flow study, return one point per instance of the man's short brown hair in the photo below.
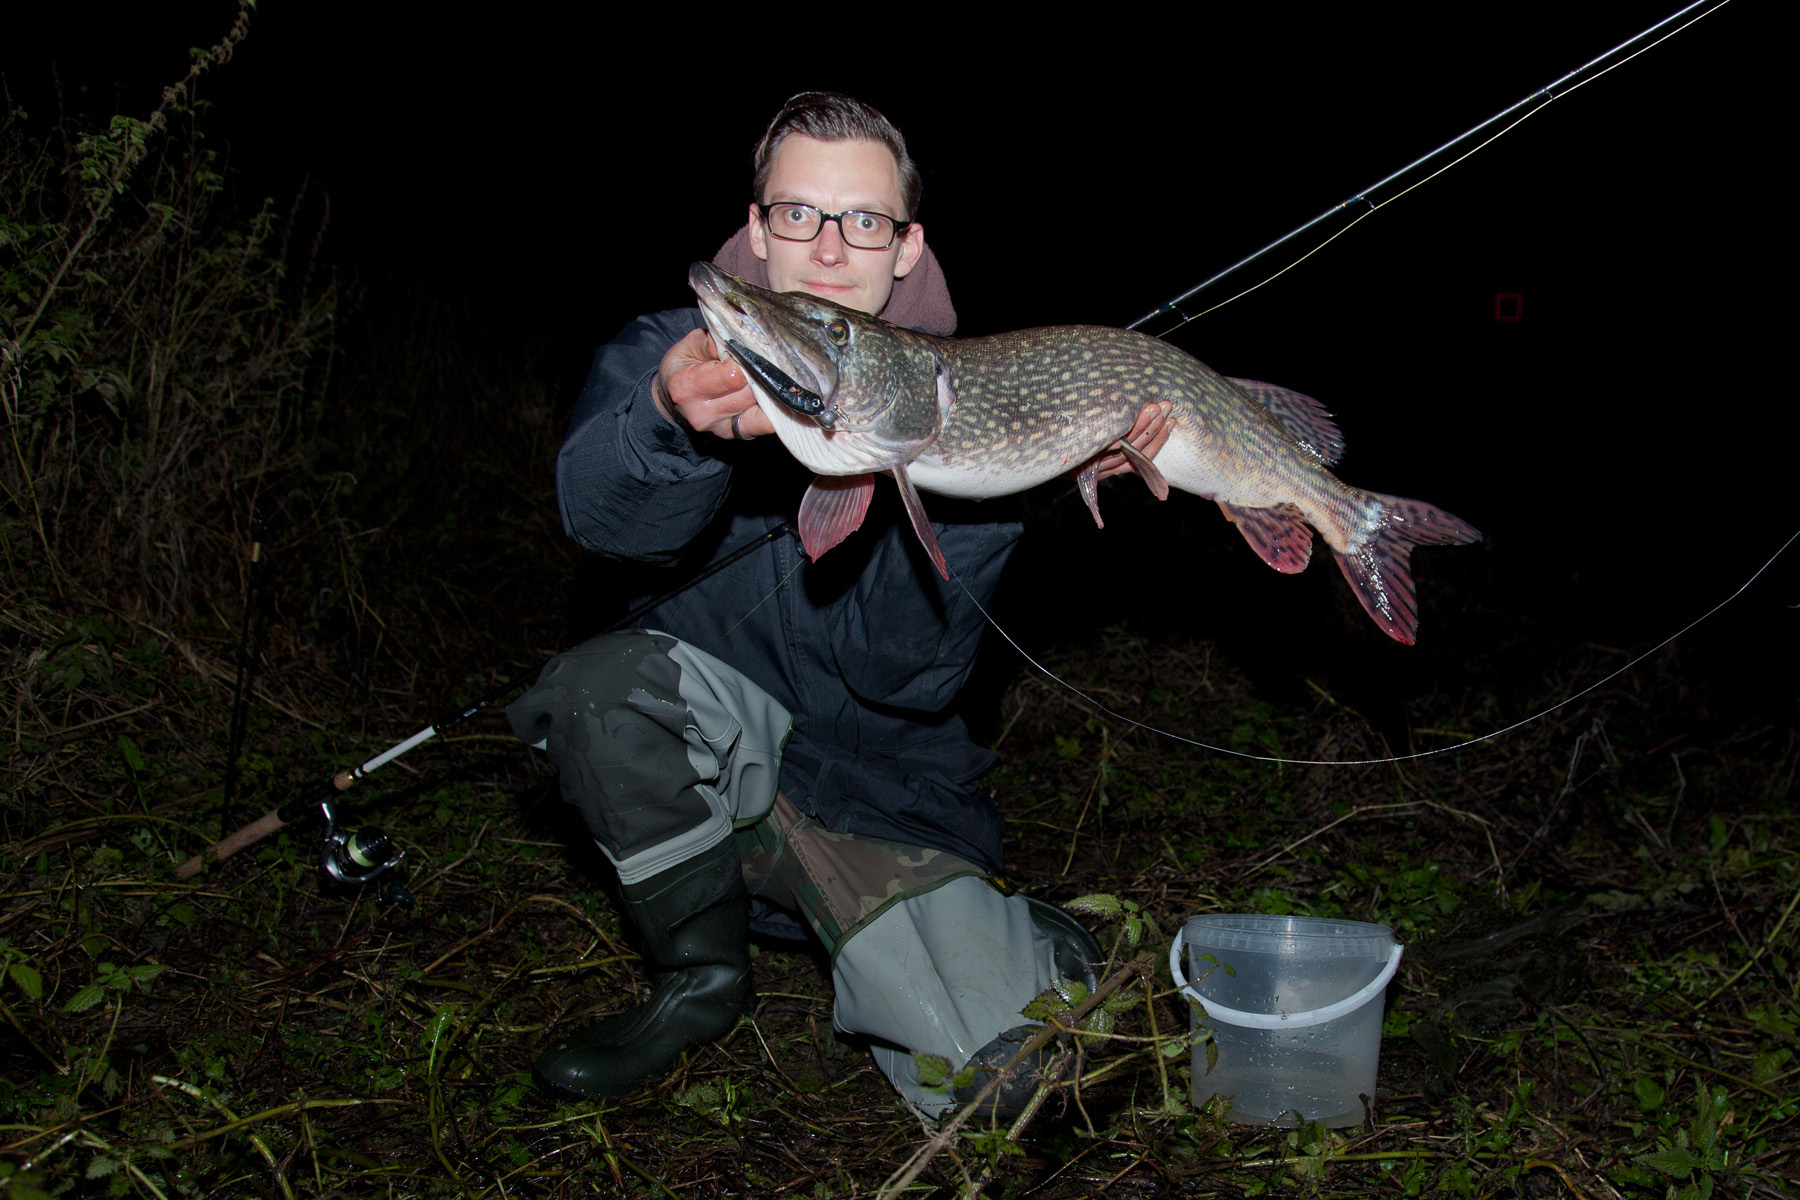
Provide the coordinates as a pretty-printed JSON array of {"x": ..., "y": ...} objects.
[{"x": 833, "y": 117}]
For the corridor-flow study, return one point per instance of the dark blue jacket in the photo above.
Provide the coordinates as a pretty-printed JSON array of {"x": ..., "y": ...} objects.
[{"x": 868, "y": 648}]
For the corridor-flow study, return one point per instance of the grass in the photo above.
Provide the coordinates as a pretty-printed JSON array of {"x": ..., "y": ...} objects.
[{"x": 1597, "y": 1001}]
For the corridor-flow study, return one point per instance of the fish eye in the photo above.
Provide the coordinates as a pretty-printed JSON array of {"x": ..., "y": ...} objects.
[{"x": 839, "y": 330}]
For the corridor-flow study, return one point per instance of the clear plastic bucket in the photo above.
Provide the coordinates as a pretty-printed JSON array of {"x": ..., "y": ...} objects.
[{"x": 1298, "y": 1022}]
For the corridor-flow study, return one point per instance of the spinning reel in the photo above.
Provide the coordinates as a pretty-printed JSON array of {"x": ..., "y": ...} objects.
[{"x": 351, "y": 859}]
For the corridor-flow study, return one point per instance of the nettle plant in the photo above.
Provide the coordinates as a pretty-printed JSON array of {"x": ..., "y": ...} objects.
[{"x": 161, "y": 357}]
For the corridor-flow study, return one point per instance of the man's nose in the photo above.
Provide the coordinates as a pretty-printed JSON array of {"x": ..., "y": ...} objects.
[{"x": 828, "y": 247}]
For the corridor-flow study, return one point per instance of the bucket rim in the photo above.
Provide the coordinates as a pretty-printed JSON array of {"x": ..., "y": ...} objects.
[
  {"x": 1300, "y": 1020},
  {"x": 1291, "y": 925}
]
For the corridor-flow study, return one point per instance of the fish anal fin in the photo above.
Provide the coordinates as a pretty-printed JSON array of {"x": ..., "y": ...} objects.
[
  {"x": 1146, "y": 469},
  {"x": 1088, "y": 480},
  {"x": 832, "y": 509},
  {"x": 915, "y": 509},
  {"x": 1380, "y": 569},
  {"x": 1278, "y": 534},
  {"x": 1309, "y": 421}
]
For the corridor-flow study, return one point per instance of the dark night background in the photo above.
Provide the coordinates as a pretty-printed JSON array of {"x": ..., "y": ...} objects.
[{"x": 1625, "y": 445}]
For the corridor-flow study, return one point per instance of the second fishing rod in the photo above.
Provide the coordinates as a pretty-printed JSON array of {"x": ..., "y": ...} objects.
[{"x": 365, "y": 855}]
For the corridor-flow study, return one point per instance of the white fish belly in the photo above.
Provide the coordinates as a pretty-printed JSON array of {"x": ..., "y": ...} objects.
[
  {"x": 1340, "y": 513},
  {"x": 977, "y": 481}
]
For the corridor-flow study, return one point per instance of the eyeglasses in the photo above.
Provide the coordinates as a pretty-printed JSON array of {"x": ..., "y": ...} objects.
[{"x": 802, "y": 223}]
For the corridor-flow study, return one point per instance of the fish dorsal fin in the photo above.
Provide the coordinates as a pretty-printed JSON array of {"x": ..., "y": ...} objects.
[
  {"x": 832, "y": 509},
  {"x": 915, "y": 509},
  {"x": 1279, "y": 534},
  {"x": 1304, "y": 417}
]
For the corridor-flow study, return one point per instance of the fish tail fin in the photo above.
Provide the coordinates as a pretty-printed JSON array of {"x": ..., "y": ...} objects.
[{"x": 1379, "y": 568}]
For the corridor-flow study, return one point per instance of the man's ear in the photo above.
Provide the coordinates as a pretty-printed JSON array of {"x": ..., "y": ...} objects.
[
  {"x": 759, "y": 237},
  {"x": 912, "y": 248}
]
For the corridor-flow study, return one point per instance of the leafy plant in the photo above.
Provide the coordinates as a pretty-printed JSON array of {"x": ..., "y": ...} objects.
[
  {"x": 15, "y": 966},
  {"x": 158, "y": 355},
  {"x": 1692, "y": 1157},
  {"x": 109, "y": 977}
]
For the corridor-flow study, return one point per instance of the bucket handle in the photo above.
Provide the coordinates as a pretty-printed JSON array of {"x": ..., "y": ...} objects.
[{"x": 1300, "y": 1020}]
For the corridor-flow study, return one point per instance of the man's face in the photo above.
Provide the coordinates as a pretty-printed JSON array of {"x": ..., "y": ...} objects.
[{"x": 836, "y": 177}]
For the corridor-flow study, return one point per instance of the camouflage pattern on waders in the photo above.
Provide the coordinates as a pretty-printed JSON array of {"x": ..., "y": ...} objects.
[{"x": 838, "y": 882}]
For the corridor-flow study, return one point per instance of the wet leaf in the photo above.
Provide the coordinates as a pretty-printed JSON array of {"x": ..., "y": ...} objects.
[
  {"x": 28, "y": 979},
  {"x": 1675, "y": 1161},
  {"x": 85, "y": 999},
  {"x": 934, "y": 1070},
  {"x": 1097, "y": 904}
]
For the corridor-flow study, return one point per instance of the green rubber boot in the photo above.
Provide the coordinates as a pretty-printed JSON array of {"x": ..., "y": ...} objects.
[{"x": 694, "y": 918}]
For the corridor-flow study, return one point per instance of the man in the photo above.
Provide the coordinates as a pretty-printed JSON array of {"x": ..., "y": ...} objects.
[{"x": 781, "y": 739}]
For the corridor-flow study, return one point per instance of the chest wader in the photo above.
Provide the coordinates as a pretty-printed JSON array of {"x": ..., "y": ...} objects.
[{"x": 664, "y": 750}]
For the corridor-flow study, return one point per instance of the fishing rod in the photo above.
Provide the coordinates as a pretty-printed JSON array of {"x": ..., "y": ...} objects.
[
  {"x": 364, "y": 856},
  {"x": 1541, "y": 98},
  {"x": 240, "y": 706}
]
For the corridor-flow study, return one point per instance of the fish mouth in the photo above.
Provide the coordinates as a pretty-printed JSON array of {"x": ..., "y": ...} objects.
[{"x": 773, "y": 346}]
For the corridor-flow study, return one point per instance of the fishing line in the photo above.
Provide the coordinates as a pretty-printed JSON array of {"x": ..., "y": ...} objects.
[
  {"x": 779, "y": 584},
  {"x": 1371, "y": 762},
  {"x": 1542, "y": 98},
  {"x": 1534, "y": 103},
  {"x": 1538, "y": 100}
]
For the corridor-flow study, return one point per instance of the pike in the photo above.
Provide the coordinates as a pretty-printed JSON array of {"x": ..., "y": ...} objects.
[{"x": 851, "y": 395}]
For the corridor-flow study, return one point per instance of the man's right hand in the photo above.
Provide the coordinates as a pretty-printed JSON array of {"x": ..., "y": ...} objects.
[{"x": 694, "y": 389}]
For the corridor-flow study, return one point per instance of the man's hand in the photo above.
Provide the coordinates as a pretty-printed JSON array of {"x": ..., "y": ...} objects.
[
  {"x": 694, "y": 389},
  {"x": 1147, "y": 435}
]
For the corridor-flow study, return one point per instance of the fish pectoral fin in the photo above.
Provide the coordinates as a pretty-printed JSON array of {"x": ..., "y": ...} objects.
[
  {"x": 832, "y": 509},
  {"x": 1088, "y": 480},
  {"x": 1147, "y": 469},
  {"x": 1279, "y": 535},
  {"x": 915, "y": 509}
]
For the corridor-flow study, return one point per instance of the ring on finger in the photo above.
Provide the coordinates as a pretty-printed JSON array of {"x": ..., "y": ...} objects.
[{"x": 738, "y": 433}]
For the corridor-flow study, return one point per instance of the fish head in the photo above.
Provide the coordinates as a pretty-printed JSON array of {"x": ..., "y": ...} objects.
[{"x": 853, "y": 374}]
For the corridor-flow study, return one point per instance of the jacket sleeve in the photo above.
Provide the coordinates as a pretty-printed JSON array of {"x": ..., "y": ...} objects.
[{"x": 630, "y": 483}]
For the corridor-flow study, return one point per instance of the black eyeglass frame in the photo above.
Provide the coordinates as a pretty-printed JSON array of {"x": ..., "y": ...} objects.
[{"x": 900, "y": 227}]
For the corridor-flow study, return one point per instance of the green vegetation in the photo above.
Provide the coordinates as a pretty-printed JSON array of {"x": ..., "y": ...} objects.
[{"x": 1598, "y": 998}]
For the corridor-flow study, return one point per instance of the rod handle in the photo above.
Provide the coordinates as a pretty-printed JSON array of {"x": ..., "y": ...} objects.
[{"x": 250, "y": 834}]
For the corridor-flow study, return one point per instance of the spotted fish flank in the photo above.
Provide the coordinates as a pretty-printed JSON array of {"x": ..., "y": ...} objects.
[{"x": 980, "y": 417}]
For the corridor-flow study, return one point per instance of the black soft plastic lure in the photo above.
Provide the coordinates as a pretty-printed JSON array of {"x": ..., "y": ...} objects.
[{"x": 782, "y": 386}]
